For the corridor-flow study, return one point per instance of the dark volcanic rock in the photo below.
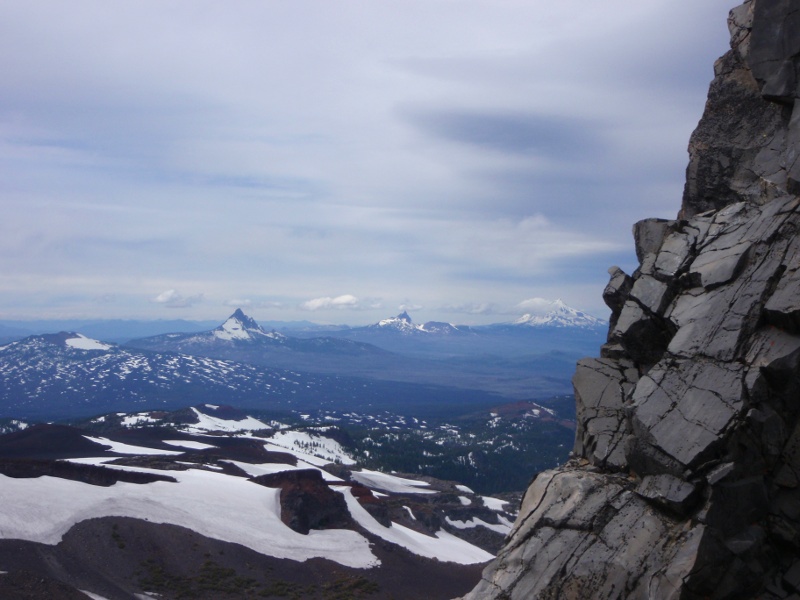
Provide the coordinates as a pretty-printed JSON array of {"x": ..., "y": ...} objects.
[
  {"x": 91, "y": 474},
  {"x": 685, "y": 481},
  {"x": 306, "y": 500},
  {"x": 27, "y": 585},
  {"x": 47, "y": 441}
]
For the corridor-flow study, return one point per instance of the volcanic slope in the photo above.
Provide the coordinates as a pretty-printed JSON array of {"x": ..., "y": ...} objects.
[{"x": 210, "y": 503}]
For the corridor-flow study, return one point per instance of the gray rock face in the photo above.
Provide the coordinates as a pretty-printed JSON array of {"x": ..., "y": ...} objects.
[{"x": 685, "y": 476}]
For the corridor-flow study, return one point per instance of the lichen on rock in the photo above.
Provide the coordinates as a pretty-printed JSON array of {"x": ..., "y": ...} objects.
[{"x": 685, "y": 476}]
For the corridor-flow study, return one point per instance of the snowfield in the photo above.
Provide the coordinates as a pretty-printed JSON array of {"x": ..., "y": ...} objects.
[
  {"x": 270, "y": 468},
  {"x": 310, "y": 447},
  {"x": 81, "y": 342},
  {"x": 207, "y": 423},
  {"x": 192, "y": 445},
  {"x": 390, "y": 483},
  {"x": 215, "y": 505},
  {"x": 121, "y": 448},
  {"x": 444, "y": 546},
  {"x": 504, "y": 526}
]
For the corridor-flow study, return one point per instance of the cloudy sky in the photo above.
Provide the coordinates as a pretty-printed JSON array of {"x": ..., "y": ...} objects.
[{"x": 338, "y": 160}]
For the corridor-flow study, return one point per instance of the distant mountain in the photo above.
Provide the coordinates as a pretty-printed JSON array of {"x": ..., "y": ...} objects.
[
  {"x": 238, "y": 329},
  {"x": 393, "y": 350},
  {"x": 110, "y": 330},
  {"x": 67, "y": 374},
  {"x": 403, "y": 324},
  {"x": 241, "y": 338},
  {"x": 559, "y": 314}
]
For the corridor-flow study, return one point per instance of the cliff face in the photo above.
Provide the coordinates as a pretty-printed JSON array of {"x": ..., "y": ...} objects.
[{"x": 685, "y": 481}]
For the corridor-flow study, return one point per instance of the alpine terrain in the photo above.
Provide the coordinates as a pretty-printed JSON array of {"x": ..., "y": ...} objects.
[{"x": 208, "y": 502}]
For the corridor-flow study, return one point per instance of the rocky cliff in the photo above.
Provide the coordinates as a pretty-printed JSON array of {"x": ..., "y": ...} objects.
[{"x": 685, "y": 476}]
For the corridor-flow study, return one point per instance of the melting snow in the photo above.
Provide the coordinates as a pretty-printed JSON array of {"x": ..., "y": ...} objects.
[
  {"x": 494, "y": 503},
  {"x": 133, "y": 420},
  {"x": 201, "y": 501},
  {"x": 81, "y": 342},
  {"x": 504, "y": 526},
  {"x": 310, "y": 447},
  {"x": 465, "y": 489},
  {"x": 445, "y": 546},
  {"x": 270, "y": 468},
  {"x": 390, "y": 483},
  {"x": 189, "y": 444},
  {"x": 121, "y": 448},
  {"x": 95, "y": 596},
  {"x": 209, "y": 423}
]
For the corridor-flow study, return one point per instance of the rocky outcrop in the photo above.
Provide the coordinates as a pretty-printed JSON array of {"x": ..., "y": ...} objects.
[
  {"x": 685, "y": 476},
  {"x": 306, "y": 500}
]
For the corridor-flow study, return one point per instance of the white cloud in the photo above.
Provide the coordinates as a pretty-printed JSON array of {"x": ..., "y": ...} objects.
[
  {"x": 406, "y": 306},
  {"x": 535, "y": 306},
  {"x": 173, "y": 299},
  {"x": 476, "y": 308},
  {"x": 339, "y": 302}
]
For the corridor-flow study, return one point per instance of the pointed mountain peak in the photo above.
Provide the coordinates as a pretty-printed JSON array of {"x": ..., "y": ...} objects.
[
  {"x": 247, "y": 322},
  {"x": 238, "y": 327},
  {"x": 401, "y": 322}
]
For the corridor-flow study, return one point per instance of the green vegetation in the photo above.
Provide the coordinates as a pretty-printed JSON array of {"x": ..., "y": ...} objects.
[
  {"x": 115, "y": 535},
  {"x": 226, "y": 582}
]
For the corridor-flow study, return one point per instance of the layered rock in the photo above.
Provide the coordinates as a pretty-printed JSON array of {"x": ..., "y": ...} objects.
[{"x": 685, "y": 476}]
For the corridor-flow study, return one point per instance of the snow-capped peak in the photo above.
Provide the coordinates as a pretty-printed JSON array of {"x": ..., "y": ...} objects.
[
  {"x": 401, "y": 322},
  {"x": 556, "y": 314},
  {"x": 239, "y": 327}
]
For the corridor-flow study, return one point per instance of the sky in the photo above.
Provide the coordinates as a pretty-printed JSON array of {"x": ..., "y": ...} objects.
[{"x": 338, "y": 161}]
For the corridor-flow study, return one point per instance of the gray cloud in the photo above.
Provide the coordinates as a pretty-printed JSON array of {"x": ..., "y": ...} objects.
[
  {"x": 551, "y": 136},
  {"x": 458, "y": 153}
]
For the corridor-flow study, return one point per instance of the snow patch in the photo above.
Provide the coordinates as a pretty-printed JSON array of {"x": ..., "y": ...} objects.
[
  {"x": 95, "y": 596},
  {"x": 200, "y": 500},
  {"x": 189, "y": 444},
  {"x": 504, "y": 526},
  {"x": 81, "y": 342},
  {"x": 138, "y": 419},
  {"x": 494, "y": 503},
  {"x": 311, "y": 447},
  {"x": 209, "y": 423},
  {"x": 254, "y": 470},
  {"x": 121, "y": 448},
  {"x": 390, "y": 483},
  {"x": 445, "y": 546}
]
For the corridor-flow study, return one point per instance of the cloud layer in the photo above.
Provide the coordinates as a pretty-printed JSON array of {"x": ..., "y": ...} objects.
[{"x": 456, "y": 156}]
